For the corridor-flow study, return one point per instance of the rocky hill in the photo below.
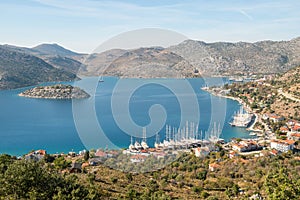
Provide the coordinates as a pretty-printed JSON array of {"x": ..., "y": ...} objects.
[
  {"x": 58, "y": 91},
  {"x": 234, "y": 58},
  {"x": 19, "y": 69}
]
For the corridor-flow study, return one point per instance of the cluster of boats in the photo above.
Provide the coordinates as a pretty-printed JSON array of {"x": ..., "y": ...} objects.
[{"x": 178, "y": 138}]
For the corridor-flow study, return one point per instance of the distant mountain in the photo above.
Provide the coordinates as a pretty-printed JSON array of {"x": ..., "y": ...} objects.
[
  {"x": 54, "y": 50},
  {"x": 154, "y": 62},
  {"x": 65, "y": 63},
  {"x": 19, "y": 69},
  {"x": 96, "y": 63}
]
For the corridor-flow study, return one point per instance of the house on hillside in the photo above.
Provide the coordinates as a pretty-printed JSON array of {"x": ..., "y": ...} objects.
[
  {"x": 201, "y": 151},
  {"x": 276, "y": 118},
  {"x": 246, "y": 145},
  {"x": 75, "y": 167},
  {"x": 284, "y": 129},
  {"x": 295, "y": 129},
  {"x": 100, "y": 154},
  {"x": 138, "y": 158},
  {"x": 232, "y": 154},
  {"x": 294, "y": 136},
  {"x": 213, "y": 167},
  {"x": 36, "y": 155}
]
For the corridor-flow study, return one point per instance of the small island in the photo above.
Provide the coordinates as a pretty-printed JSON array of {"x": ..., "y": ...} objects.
[{"x": 58, "y": 91}]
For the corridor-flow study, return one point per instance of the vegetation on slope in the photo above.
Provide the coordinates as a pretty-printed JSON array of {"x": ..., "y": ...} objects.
[{"x": 187, "y": 178}]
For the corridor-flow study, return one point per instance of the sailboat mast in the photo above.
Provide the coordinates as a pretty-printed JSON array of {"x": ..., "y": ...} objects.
[{"x": 144, "y": 134}]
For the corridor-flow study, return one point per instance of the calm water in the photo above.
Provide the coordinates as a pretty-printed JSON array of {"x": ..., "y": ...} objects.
[{"x": 27, "y": 124}]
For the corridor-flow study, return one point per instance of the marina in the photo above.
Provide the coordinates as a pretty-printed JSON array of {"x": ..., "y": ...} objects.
[{"x": 177, "y": 139}]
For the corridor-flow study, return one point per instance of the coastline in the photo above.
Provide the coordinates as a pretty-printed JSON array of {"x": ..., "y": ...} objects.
[{"x": 245, "y": 106}]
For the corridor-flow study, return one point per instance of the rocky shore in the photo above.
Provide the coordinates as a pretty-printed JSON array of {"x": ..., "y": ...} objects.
[{"x": 58, "y": 91}]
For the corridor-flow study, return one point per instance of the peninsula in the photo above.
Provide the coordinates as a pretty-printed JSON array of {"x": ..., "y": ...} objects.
[{"x": 58, "y": 91}]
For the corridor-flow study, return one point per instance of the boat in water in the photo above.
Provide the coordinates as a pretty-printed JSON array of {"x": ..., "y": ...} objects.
[
  {"x": 236, "y": 79},
  {"x": 241, "y": 119},
  {"x": 101, "y": 79}
]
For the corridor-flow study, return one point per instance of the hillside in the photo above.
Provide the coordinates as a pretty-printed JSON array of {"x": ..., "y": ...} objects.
[
  {"x": 20, "y": 70},
  {"x": 290, "y": 82},
  {"x": 65, "y": 63},
  {"x": 278, "y": 95}
]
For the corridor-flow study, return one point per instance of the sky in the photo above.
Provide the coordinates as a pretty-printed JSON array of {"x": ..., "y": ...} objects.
[{"x": 81, "y": 25}]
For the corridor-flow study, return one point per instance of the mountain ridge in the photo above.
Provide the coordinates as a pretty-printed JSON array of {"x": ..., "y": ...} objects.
[
  {"x": 217, "y": 58},
  {"x": 54, "y": 49},
  {"x": 180, "y": 60}
]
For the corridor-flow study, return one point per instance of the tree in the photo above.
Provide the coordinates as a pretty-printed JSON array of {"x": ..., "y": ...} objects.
[
  {"x": 61, "y": 163},
  {"x": 86, "y": 155},
  {"x": 278, "y": 185}
]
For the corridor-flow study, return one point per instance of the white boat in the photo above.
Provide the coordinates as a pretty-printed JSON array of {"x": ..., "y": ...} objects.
[
  {"x": 144, "y": 145},
  {"x": 137, "y": 145},
  {"x": 241, "y": 119},
  {"x": 101, "y": 79}
]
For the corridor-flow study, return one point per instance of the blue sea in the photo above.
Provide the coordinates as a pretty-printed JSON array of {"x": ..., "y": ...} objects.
[{"x": 117, "y": 110}]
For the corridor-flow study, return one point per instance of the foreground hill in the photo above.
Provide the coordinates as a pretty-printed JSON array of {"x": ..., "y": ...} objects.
[
  {"x": 19, "y": 69},
  {"x": 189, "y": 177}
]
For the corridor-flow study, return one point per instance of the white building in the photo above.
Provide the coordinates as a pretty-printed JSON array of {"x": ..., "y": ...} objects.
[
  {"x": 282, "y": 145},
  {"x": 201, "y": 151}
]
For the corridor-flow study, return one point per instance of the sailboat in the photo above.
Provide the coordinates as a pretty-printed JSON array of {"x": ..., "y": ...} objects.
[
  {"x": 144, "y": 142},
  {"x": 101, "y": 79}
]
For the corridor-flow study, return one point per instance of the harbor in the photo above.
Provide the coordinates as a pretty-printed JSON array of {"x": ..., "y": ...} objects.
[{"x": 176, "y": 140}]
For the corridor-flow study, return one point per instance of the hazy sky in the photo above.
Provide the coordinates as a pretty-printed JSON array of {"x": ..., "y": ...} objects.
[{"x": 82, "y": 25}]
